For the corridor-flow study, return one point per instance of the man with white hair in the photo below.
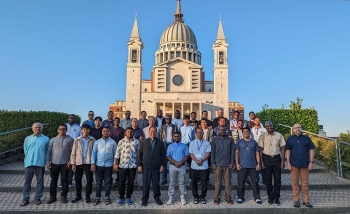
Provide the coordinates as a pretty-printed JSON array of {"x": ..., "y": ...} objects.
[{"x": 35, "y": 148}]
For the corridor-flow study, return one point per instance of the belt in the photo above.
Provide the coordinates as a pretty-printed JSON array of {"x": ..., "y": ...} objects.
[
  {"x": 272, "y": 156},
  {"x": 174, "y": 164}
]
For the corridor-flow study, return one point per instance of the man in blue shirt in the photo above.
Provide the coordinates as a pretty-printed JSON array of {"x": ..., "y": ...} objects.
[
  {"x": 102, "y": 160},
  {"x": 199, "y": 150},
  {"x": 35, "y": 148},
  {"x": 300, "y": 160},
  {"x": 177, "y": 154},
  {"x": 177, "y": 121},
  {"x": 90, "y": 120},
  {"x": 247, "y": 155},
  {"x": 109, "y": 122}
]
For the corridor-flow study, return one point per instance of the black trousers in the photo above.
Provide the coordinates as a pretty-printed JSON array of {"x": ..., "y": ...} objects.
[
  {"x": 202, "y": 175},
  {"x": 80, "y": 169},
  {"x": 147, "y": 176},
  {"x": 242, "y": 175},
  {"x": 272, "y": 168},
  {"x": 55, "y": 171},
  {"x": 123, "y": 174}
]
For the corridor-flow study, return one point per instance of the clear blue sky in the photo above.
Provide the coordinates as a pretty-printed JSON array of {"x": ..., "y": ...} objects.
[{"x": 70, "y": 56}]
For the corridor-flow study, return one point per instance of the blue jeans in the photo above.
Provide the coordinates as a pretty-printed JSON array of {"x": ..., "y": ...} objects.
[
  {"x": 103, "y": 174},
  {"x": 28, "y": 176}
]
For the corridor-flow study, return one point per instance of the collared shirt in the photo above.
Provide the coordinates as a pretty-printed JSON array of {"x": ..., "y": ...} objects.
[
  {"x": 177, "y": 122},
  {"x": 199, "y": 148},
  {"x": 257, "y": 132},
  {"x": 271, "y": 143},
  {"x": 216, "y": 132},
  {"x": 89, "y": 122},
  {"x": 35, "y": 148},
  {"x": 194, "y": 123},
  {"x": 125, "y": 123},
  {"x": 187, "y": 134},
  {"x": 117, "y": 134},
  {"x": 73, "y": 130},
  {"x": 108, "y": 123},
  {"x": 159, "y": 121},
  {"x": 237, "y": 134},
  {"x": 103, "y": 152},
  {"x": 59, "y": 149},
  {"x": 146, "y": 132},
  {"x": 142, "y": 123},
  {"x": 85, "y": 142},
  {"x": 127, "y": 153},
  {"x": 138, "y": 133},
  {"x": 299, "y": 147},
  {"x": 177, "y": 151},
  {"x": 247, "y": 153},
  {"x": 169, "y": 133},
  {"x": 233, "y": 123}
]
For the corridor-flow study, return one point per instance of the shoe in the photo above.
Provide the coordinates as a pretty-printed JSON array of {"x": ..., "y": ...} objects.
[
  {"x": 76, "y": 200},
  {"x": 64, "y": 199},
  {"x": 258, "y": 201},
  {"x": 71, "y": 185},
  {"x": 158, "y": 201},
  {"x": 195, "y": 201},
  {"x": 121, "y": 201},
  {"x": 37, "y": 201},
  {"x": 307, "y": 204},
  {"x": 144, "y": 203},
  {"x": 277, "y": 201},
  {"x": 183, "y": 201},
  {"x": 24, "y": 203},
  {"x": 60, "y": 185},
  {"x": 248, "y": 183},
  {"x": 203, "y": 201},
  {"x": 88, "y": 200},
  {"x": 240, "y": 201},
  {"x": 128, "y": 201},
  {"x": 296, "y": 204},
  {"x": 163, "y": 182},
  {"x": 270, "y": 201},
  {"x": 189, "y": 181},
  {"x": 51, "y": 200},
  {"x": 170, "y": 201},
  {"x": 198, "y": 182}
]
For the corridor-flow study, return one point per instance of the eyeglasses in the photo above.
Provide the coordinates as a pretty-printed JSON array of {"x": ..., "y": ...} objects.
[{"x": 62, "y": 129}]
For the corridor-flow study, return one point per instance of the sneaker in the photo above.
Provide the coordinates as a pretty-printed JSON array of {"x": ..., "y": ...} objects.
[
  {"x": 277, "y": 201},
  {"x": 170, "y": 201},
  {"x": 144, "y": 203},
  {"x": 236, "y": 196},
  {"x": 71, "y": 185},
  {"x": 270, "y": 201},
  {"x": 258, "y": 201},
  {"x": 88, "y": 200},
  {"x": 240, "y": 201},
  {"x": 195, "y": 201},
  {"x": 296, "y": 204},
  {"x": 121, "y": 201},
  {"x": 128, "y": 201},
  {"x": 183, "y": 201},
  {"x": 307, "y": 204},
  {"x": 203, "y": 201},
  {"x": 51, "y": 200},
  {"x": 189, "y": 181},
  {"x": 60, "y": 185},
  {"x": 163, "y": 182},
  {"x": 76, "y": 200}
]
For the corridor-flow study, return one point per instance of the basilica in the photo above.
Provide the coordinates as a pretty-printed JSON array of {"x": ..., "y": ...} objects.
[{"x": 177, "y": 80}]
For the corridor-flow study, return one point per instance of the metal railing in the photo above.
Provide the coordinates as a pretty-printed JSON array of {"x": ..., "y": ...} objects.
[
  {"x": 14, "y": 131},
  {"x": 338, "y": 160}
]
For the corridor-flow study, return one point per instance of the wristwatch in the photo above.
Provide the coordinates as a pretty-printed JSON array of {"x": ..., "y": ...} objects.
[{"x": 312, "y": 162}]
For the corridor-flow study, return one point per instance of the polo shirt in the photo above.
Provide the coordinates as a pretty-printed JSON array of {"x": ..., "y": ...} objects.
[
  {"x": 177, "y": 151},
  {"x": 142, "y": 123},
  {"x": 199, "y": 148},
  {"x": 271, "y": 143},
  {"x": 247, "y": 150},
  {"x": 117, "y": 133},
  {"x": 177, "y": 122},
  {"x": 299, "y": 147},
  {"x": 35, "y": 148}
]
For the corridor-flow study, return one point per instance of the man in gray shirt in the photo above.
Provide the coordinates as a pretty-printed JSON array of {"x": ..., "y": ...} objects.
[
  {"x": 57, "y": 161},
  {"x": 222, "y": 160}
]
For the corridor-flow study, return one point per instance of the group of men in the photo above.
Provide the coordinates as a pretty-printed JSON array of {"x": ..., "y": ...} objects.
[{"x": 161, "y": 146}]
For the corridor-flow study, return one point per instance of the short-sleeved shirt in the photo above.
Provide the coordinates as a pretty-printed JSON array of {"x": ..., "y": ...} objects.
[
  {"x": 299, "y": 147},
  {"x": 127, "y": 153},
  {"x": 117, "y": 133},
  {"x": 177, "y": 151},
  {"x": 187, "y": 134},
  {"x": 199, "y": 149},
  {"x": 177, "y": 122},
  {"x": 247, "y": 150},
  {"x": 257, "y": 132},
  {"x": 108, "y": 123},
  {"x": 271, "y": 143}
]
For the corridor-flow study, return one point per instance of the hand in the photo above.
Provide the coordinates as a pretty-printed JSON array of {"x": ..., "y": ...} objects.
[
  {"x": 115, "y": 167},
  {"x": 238, "y": 167},
  {"x": 282, "y": 164},
  {"x": 74, "y": 168},
  {"x": 311, "y": 165},
  {"x": 177, "y": 164},
  {"x": 139, "y": 168},
  {"x": 141, "y": 138},
  {"x": 263, "y": 165},
  {"x": 161, "y": 169},
  {"x": 199, "y": 162},
  {"x": 48, "y": 166},
  {"x": 230, "y": 166},
  {"x": 257, "y": 168},
  {"x": 232, "y": 127},
  {"x": 68, "y": 165},
  {"x": 93, "y": 167},
  {"x": 289, "y": 167},
  {"x": 214, "y": 167}
]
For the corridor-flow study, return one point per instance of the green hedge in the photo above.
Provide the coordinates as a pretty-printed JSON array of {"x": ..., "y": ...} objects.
[
  {"x": 12, "y": 120},
  {"x": 307, "y": 118}
]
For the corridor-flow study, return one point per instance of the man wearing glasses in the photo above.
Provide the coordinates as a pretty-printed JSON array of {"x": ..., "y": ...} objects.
[
  {"x": 300, "y": 160},
  {"x": 90, "y": 120}
]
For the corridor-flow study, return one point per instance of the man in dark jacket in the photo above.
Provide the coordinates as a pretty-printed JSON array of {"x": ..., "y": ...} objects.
[{"x": 150, "y": 162}]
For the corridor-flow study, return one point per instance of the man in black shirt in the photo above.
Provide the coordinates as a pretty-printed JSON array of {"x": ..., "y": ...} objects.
[
  {"x": 96, "y": 132},
  {"x": 220, "y": 113}
]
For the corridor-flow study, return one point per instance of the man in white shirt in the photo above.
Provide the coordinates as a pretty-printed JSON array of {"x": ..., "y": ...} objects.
[
  {"x": 151, "y": 122},
  {"x": 233, "y": 122}
]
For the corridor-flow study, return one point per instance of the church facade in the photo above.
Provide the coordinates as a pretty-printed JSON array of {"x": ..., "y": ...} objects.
[{"x": 177, "y": 80}]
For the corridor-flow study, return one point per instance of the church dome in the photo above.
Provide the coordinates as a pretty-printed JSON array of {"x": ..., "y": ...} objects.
[{"x": 178, "y": 32}]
